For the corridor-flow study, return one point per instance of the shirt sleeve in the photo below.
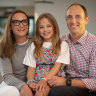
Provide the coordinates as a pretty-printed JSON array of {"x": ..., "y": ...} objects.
[
  {"x": 64, "y": 56},
  {"x": 7, "y": 74},
  {"x": 29, "y": 59},
  {"x": 90, "y": 82}
]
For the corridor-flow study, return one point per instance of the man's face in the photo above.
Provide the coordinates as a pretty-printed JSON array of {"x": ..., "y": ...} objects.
[{"x": 76, "y": 20}]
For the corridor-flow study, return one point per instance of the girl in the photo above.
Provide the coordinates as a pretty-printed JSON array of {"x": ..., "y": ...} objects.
[{"x": 46, "y": 55}]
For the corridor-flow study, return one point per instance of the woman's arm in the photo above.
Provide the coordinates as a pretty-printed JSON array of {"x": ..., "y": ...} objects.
[{"x": 7, "y": 73}]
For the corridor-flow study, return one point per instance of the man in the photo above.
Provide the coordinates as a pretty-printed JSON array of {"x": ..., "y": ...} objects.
[{"x": 80, "y": 77}]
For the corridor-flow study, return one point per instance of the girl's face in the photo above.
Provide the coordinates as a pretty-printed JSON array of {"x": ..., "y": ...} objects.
[
  {"x": 46, "y": 30},
  {"x": 19, "y": 25}
]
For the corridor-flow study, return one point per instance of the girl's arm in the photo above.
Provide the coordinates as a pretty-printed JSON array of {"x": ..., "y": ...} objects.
[
  {"x": 42, "y": 83},
  {"x": 56, "y": 68},
  {"x": 63, "y": 58}
]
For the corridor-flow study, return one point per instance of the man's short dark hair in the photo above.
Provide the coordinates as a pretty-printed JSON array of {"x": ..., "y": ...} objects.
[{"x": 84, "y": 9}]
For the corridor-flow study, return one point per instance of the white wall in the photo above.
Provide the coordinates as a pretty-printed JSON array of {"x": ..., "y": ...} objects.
[{"x": 58, "y": 10}]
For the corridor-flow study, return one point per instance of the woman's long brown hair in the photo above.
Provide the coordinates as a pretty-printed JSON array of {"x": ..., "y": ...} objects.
[{"x": 7, "y": 42}]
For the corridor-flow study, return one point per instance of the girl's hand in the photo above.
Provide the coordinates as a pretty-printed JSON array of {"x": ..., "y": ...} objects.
[
  {"x": 42, "y": 85},
  {"x": 33, "y": 86}
]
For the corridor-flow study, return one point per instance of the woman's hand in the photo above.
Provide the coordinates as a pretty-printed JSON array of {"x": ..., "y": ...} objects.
[
  {"x": 33, "y": 86},
  {"x": 25, "y": 91}
]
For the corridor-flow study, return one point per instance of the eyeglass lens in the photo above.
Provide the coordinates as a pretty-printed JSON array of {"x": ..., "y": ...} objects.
[{"x": 17, "y": 22}]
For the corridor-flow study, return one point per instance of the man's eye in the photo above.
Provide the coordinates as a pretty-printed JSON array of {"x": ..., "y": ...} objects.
[
  {"x": 69, "y": 17},
  {"x": 78, "y": 17}
]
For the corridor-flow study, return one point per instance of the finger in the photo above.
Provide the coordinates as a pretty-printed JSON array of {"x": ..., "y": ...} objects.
[
  {"x": 51, "y": 81},
  {"x": 41, "y": 87},
  {"x": 37, "y": 87},
  {"x": 21, "y": 94}
]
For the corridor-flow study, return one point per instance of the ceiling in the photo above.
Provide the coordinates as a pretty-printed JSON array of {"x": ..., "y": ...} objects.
[
  {"x": 13, "y": 3},
  {"x": 9, "y": 3}
]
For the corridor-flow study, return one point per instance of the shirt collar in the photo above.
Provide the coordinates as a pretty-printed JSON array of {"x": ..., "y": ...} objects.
[{"x": 80, "y": 41}]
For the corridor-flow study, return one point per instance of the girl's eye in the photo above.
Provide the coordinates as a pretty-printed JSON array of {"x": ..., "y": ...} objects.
[{"x": 49, "y": 26}]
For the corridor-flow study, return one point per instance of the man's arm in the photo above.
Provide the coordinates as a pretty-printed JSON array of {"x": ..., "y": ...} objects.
[
  {"x": 56, "y": 81},
  {"x": 88, "y": 83}
]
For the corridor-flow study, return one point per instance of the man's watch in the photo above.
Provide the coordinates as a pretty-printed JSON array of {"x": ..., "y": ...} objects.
[{"x": 68, "y": 82}]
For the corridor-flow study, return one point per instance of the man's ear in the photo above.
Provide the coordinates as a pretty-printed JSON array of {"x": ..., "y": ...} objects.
[{"x": 87, "y": 19}]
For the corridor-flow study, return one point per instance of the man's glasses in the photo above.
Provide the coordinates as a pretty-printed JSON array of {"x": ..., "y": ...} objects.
[{"x": 17, "y": 22}]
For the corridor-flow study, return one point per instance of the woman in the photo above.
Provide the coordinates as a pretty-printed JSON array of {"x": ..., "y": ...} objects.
[{"x": 13, "y": 46}]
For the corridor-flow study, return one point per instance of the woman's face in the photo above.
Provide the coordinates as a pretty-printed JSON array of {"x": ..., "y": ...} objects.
[
  {"x": 19, "y": 25},
  {"x": 46, "y": 30}
]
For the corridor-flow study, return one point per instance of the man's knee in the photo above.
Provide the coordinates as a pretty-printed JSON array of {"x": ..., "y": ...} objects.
[{"x": 57, "y": 91}]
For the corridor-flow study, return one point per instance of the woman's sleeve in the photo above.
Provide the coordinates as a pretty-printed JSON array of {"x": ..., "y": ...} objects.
[
  {"x": 7, "y": 73},
  {"x": 64, "y": 56},
  {"x": 29, "y": 59}
]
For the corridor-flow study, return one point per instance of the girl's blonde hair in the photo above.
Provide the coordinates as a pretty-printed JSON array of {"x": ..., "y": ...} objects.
[
  {"x": 56, "y": 42},
  {"x": 7, "y": 42}
]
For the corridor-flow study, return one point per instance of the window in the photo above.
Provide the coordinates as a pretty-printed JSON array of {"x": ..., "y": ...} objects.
[{"x": 2, "y": 24}]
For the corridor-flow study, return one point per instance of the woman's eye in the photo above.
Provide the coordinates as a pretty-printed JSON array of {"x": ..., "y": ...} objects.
[{"x": 41, "y": 27}]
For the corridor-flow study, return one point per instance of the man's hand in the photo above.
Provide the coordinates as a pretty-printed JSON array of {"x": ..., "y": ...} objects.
[
  {"x": 25, "y": 91},
  {"x": 55, "y": 81}
]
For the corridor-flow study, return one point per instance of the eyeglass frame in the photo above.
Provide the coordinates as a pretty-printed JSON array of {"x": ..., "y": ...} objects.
[{"x": 19, "y": 22}]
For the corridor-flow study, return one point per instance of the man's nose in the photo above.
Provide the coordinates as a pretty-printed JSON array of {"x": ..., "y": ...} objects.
[{"x": 74, "y": 20}]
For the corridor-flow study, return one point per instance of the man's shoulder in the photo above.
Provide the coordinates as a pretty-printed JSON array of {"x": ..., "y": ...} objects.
[{"x": 91, "y": 38}]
